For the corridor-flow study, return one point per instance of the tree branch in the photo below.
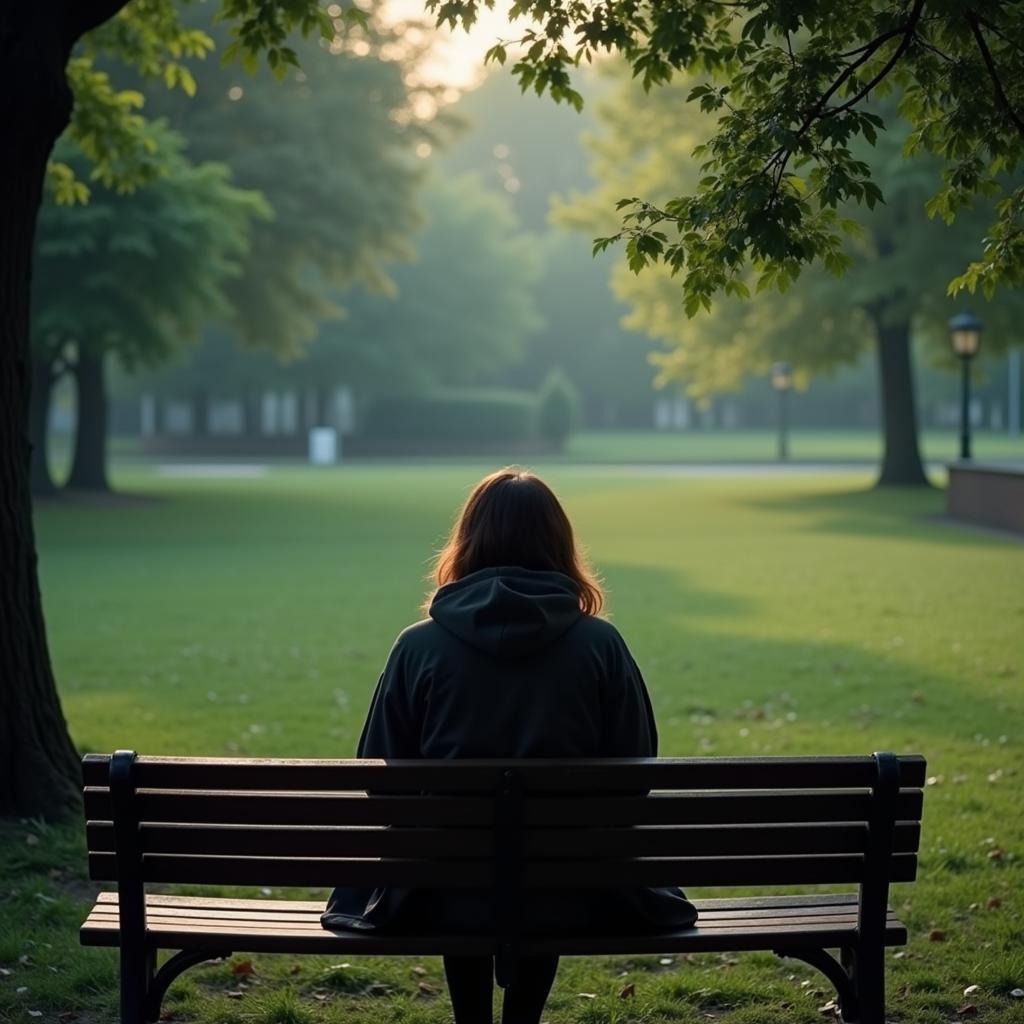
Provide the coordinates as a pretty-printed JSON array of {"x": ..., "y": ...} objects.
[
  {"x": 780, "y": 158},
  {"x": 921, "y": 41},
  {"x": 908, "y": 37},
  {"x": 996, "y": 30},
  {"x": 874, "y": 44},
  {"x": 1001, "y": 97}
]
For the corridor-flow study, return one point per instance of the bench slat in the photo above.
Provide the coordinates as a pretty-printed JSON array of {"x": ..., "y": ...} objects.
[
  {"x": 657, "y": 841},
  {"x": 258, "y": 808},
  {"x": 612, "y": 775},
  {"x": 106, "y": 912},
  {"x": 737, "y": 938},
  {"x": 721, "y": 808},
  {"x": 691, "y": 871},
  {"x": 284, "y": 808},
  {"x": 748, "y": 903},
  {"x": 157, "y": 922}
]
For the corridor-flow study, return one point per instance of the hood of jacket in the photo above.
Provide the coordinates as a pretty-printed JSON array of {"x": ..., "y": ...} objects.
[{"x": 508, "y": 612}]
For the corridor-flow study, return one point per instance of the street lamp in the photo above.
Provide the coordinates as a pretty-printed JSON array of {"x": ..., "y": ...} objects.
[
  {"x": 782, "y": 381},
  {"x": 965, "y": 338}
]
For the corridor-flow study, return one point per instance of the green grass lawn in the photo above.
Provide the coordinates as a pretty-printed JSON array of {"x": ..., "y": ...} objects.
[
  {"x": 772, "y": 615},
  {"x": 699, "y": 446},
  {"x": 760, "y": 446}
]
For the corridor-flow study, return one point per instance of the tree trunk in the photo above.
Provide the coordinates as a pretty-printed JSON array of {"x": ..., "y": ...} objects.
[
  {"x": 43, "y": 379},
  {"x": 901, "y": 458},
  {"x": 39, "y": 768},
  {"x": 89, "y": 466}
]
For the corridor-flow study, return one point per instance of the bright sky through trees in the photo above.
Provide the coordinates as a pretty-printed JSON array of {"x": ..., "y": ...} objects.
[{"x": 459, "y": 56}]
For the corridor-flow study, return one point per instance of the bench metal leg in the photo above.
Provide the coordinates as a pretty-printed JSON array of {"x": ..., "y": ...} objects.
[
  {"x": 137, "y": 965},
  {"x": 870, "y": 979},
  {"x": 839, "y": 973},
  {"x": 178, "y": 964}
]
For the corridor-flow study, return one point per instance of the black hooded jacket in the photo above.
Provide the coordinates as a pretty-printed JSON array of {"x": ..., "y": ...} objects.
[{"x": 507, "y": 666}]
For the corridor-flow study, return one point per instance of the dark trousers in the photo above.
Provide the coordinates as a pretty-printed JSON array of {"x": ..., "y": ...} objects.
[{"x": 471, "y": 988}]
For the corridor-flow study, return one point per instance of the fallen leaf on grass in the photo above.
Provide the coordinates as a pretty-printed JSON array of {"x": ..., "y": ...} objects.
[
  {"x": 665, "y": 961},
  {"x": 967, "y": 1010},
  {"x": 995, "y": 854},
  {"x": 830, "y": 1009},
  {"x": 936, "y": 935},
  {"x": 243, "y": 967},
  {"x": 587, "y": 995},
  {"x": 993, "y": 903},
  {"x": 426, "y": 989},
  {"x": 628, "y": 992},
  {"x": 35, "y": 1013},
  {"x": 234, "y": 993},
  {"x": 296, "y": 969},
  {"x": 31, "y": 840},
  {"x": 69, "y": 1015},
  {"x": 419, "y": 971},
  {"x": 1017, "y": 993},
  {"x": 971, "y": 989}
]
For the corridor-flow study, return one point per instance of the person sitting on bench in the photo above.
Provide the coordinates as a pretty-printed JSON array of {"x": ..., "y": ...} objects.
[{"x": 513, "y": 661}]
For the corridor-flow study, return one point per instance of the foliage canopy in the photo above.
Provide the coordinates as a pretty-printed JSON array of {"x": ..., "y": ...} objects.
[
  {"x": 96, "y": 263},
  {"x": 788, "y": 85},
  {"x": 897, "y": 274}
]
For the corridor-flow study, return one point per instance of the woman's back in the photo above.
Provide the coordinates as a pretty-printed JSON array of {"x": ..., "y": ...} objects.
[
  {"x": 512, "y": 662},
  {"x": 507, "y": 665}
]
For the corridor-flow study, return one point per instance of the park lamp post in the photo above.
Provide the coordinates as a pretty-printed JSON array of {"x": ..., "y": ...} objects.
[
  {"x": 782, "y": 381},
  {"x": 965, "y": 338}
]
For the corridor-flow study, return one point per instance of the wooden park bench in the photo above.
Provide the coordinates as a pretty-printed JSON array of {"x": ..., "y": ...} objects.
[{"x": 501, "y": 826}]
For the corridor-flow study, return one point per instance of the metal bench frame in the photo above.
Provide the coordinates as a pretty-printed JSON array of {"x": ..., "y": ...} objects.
[{"x": 858, "y": 975}]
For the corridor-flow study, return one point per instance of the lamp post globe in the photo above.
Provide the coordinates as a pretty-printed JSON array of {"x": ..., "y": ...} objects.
[
  {"x": 965, "y": 340},
  {"x": 782, "y": 381}
]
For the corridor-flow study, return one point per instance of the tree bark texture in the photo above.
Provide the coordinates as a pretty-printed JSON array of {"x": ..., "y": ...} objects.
[
  {"x": 901, "y": 456},
  {"x": 39, "y": 767},
  {"x": 89, "y": 465},
  {"x": 43, "y": 379}
]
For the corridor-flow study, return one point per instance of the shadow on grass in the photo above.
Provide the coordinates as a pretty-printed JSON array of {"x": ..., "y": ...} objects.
[
  {"x": 909, "y": 513},
  {"x": 805, "y": 696}
]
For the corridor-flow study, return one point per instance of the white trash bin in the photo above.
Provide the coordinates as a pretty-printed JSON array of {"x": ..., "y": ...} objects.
[{"x": 323, "y": 446}]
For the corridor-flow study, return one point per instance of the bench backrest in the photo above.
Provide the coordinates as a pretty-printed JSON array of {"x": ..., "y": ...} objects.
[{"x": 560, "y": 823}]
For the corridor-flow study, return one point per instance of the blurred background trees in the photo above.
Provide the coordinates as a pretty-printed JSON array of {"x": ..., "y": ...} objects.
[
  {"x": 94, "y": 296},
  {"x": 471, "y": 268},
  {"x": 892, "y": 293}
]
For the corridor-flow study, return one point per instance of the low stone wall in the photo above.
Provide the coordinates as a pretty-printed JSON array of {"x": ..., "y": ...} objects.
[{"x": 987, "y": 495}]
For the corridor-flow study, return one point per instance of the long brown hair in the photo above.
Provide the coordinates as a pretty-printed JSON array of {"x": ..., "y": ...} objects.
[{"x": 513, "y": 518}]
